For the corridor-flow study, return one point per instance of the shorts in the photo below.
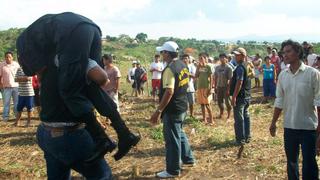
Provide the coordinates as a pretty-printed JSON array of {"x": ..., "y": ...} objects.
[
  {"x": 25, "y": 101},
  {"x": 156, "y": 83},
  {"x": 190, "y": 96},
  {"x": 202, "y": 96},
  {"x": 269, "y": 88}
]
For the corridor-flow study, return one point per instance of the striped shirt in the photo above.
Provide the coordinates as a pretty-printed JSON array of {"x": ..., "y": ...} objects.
[{"x": 25, "y": 88}]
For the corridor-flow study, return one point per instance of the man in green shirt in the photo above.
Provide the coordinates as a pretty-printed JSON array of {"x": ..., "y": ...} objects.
[{"x": 204, "y": 84}]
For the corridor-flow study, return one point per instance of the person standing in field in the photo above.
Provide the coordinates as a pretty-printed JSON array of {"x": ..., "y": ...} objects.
[
  {"x": 26, "y": 94},
  {"x": 172, "y": 109},
  {"x": 298, "y": 96},
  {"x": 140, "y": 77},
  {"x": 223, "y": 75},
  {"x": 156, "y": 69},
  {"x": 204, "y": 84},
  {"x": 190, "y": 91},
  {"x": 269, "y": 79},
  {"x": 8, "y": 70},
  {"x": 240, "y": 86},
  {"x": 130, "y": 77},
  {"x": 275, "y": 60},
  {"x": 113, "y": 72},
  {"x": 257, "y": 70}
]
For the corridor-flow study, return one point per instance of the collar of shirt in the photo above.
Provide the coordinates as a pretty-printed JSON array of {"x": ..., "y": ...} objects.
[{"x": 302, "y": 67}]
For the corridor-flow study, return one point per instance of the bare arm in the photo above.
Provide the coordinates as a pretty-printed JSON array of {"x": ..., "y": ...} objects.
[
  {"x": 117, "y": 84},
  {"x": 22, "y": 79},
  {"x": 163, "y": 103},
  {"x": 236, "y": 92},
  {"x": 273, "y": 126}
]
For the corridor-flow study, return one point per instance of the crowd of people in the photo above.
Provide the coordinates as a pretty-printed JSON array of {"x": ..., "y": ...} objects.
[{"x": 74, "y": 79}]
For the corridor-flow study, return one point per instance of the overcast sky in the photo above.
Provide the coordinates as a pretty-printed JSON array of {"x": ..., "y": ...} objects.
[{"x": 201, "y": 19}]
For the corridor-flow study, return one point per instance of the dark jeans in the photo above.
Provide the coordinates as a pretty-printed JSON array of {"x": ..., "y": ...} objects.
[
  {"x": 293, "y": 139},
  {"x": 67, "y": 151},
  {"x": 176, "y": 143},
  {"x": 242, "y": 120}
]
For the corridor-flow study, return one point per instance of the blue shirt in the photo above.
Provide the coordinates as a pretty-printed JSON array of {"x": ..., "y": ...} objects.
[
  {"x": 239, "y": 73},
  {"x": 268, "y": 72}
]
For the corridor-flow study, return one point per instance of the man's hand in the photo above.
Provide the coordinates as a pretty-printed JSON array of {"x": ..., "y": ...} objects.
[
  {"x": 273, "y": 129},
  {"x": 155, "y": 118}
]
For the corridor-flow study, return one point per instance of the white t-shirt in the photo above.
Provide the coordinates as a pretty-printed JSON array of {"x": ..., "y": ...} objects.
[
  {"x": 192, "y": 70},
  {"x": 158, "y": 66},
  {"x": 311, "y": 59},
  {"x": 131, "y": 73}
]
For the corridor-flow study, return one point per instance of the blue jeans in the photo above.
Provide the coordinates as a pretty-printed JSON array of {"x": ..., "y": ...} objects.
[
  {"x": 7, "y": 94},
  {"x": 176, "y": 143},
  {"x": 269, "y": 88},
  {"x": 242, "y": 120},
  {"x": 293, "y": 139},
  {"x": 67, "y": 151}
]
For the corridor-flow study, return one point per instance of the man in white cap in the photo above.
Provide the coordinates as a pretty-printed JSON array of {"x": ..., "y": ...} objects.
[
  {"x": 240, "y": 91},
  {"x": 172, "y": 109}
]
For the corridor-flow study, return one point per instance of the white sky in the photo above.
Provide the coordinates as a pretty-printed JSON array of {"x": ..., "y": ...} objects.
[{"x": 201, "y": 19}]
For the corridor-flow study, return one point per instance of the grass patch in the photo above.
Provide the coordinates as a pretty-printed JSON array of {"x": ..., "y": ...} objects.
[
  {"x": 259, "y": 168},
  {"x": 276, "y": 141},
  {"x": 221, "y": 139},
  {"x": 157, "y": 134}
]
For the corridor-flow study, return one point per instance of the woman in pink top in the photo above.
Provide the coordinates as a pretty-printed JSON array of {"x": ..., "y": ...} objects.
[{"x": 275, "y": 60}]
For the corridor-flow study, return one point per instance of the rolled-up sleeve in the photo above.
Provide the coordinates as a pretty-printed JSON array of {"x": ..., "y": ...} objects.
[
  {"x": 316, "y": 89},
  {"x": 278, "y": 103}
]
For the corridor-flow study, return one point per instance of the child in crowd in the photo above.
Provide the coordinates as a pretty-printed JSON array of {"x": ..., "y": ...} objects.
[
  {"x": 269, "y": 79},
  {"x": 257, "y": 70},
  {"x": 25, "y": 98}
]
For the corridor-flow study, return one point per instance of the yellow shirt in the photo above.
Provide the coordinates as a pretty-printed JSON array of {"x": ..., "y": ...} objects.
[{"x": 168, "y": 79}]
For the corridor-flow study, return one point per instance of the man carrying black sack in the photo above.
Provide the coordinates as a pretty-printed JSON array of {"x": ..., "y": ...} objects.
[{"x": 57, "y": 47}]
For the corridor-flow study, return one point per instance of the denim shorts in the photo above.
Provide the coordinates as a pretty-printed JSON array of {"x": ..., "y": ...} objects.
[{"x": 25, "y": 101}]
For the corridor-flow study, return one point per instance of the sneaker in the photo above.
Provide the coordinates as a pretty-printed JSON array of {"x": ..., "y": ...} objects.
[
  {"x": 125, "y": 144},
  {"x": 164, "y": 174}
]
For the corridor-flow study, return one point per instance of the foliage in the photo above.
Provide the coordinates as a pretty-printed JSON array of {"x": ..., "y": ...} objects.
[
  {"x": 127, "y": 48},
  {"x": 142, "y": 37}
]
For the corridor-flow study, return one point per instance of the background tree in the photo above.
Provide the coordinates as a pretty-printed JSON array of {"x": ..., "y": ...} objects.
[{"x": 142, "y": 37}]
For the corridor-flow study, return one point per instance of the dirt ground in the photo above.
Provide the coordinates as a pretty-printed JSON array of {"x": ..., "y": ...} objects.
[{"x": 213, "y": 147}]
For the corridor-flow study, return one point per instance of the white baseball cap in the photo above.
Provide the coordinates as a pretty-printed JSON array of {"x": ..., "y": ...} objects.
[{"x": 168, "y": 46}]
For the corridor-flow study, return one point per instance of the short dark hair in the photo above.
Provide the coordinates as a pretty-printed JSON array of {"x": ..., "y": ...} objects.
[
  {"x": 108, "y": 56},
  {"x": 222, "y": 55},
  {"x": 157, "y": 56},
  {"x": 204, "y": 54},
  {"x": 8, "y": 52},
  {"x": 185, "y": 56},
  {"x": 267, "y": 57},
  {"x": 295, "y": 46}
]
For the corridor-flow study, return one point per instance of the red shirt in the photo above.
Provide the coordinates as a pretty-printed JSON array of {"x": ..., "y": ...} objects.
[{"x": 35, "y": 82}]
